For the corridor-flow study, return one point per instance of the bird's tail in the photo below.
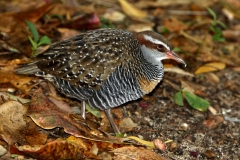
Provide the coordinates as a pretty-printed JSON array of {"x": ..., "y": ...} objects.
[{"x": 30, "y": 68}]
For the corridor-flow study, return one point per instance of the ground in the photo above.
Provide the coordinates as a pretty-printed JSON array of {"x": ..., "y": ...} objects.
[
  {"x": 196, "y": 135},
  {"x": 40, "y": 123}
]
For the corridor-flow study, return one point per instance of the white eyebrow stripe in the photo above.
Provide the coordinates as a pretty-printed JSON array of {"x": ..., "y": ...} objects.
[{"x": 153, "y": 40}]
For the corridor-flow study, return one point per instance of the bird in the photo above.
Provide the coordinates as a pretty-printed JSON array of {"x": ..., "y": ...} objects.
[{"x": 104, "y": 67}]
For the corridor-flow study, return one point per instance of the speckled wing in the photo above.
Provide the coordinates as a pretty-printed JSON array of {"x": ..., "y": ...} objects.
[{"x": 89, "y": 58}]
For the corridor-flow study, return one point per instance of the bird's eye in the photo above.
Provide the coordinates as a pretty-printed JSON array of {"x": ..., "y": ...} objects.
[{"x": 160, "y": 47}]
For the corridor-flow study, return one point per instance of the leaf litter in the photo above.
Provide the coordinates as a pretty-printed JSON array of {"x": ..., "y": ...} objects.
[{"x": 211, "y": 79}]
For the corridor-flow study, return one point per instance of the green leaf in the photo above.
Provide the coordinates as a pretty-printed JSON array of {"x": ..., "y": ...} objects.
[
  {"x": 178, "y": 99},
  {"x": 177, "y": 49},
  {"x": 213, "y": 23},
  {"x": 44, "y": 40},
  {"x": 16, "y": 98},
  {"x": 218, "y": 31},
  {"x": 34, "y": 54},
  {"x": 164, "y": 30},
  {"x": 222, "y": 24},
  {"x": 196, "y": 102},
  {"x": 57, "y": 16},
  {"x": 218, "y": 38},
  {"x": 212, "y": 13},
  {"x": 14, "y": 155},
  {"x": 105, "y": 23},
  {"x": 33, "y": 30},
  {"x": 120, "y": 135},
  {"x": 94, "y": 111},
  {"x": 212, "y": 29},
  {"x": 34, "y": 44}
]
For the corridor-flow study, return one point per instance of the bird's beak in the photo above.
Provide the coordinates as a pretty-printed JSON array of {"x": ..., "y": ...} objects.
[{"x": 174, "y": 56}]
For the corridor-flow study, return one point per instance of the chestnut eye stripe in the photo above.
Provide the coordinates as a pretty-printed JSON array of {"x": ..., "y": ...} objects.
[{"x": 153, "y": 40}]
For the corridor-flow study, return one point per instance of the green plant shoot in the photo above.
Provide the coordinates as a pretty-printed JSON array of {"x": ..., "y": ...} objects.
[
  {"x": 215, "y": 27},
  {"x": 193, "y": 100},
  {"x": 35, "y": 42}
]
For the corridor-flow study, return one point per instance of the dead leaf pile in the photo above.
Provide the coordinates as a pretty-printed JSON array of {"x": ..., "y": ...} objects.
[{"x": 38, "y": 122}]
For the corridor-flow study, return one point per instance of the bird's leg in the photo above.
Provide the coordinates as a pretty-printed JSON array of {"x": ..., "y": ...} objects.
[
  {"x": 110, "y": 118},
  {"x": 125, "y": 111},
  {"x": 83, "y": 110}
]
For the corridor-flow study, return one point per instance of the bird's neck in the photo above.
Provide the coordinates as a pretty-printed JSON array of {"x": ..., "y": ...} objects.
[
  {"x": 151, "y": 65},
  {"x": 152, "y": 56}
]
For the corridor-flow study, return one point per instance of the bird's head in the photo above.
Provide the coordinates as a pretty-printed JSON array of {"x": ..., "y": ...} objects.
[{"x": 155, "y": 47}]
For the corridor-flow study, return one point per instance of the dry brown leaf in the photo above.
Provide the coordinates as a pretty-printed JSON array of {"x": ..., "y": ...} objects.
[
  {"x": 212, "y": 110},
  {"x": 159, "y": 3},
  {"x": 34, "y": 135},
  {"x": 61, "y": 105},
  {"x": 46, "y": 115},
  {"x": 187, "y": 45},
  {"x": 186, "y": 87},
  {"x": 210, "y": 67},
  {"x": 67, "y": 33},
  {"x": 130, "y": 153},
  {"x": 213, "y": 122},
  {"x": 72, "y": 148},
  {"x": 118, "y": 112},
  {"x": 148, "y": 144},
  {"x": 12, "y": 6},
  {"x": 14, "y": 29},
  {"x": 177, "y": 70},
  {"x": 11, "y": 120},
  {"x": 114, "y": 16},
  {"x": 209, "y": 57},
  {"x": 20, "y": 82},
  {"x": 231, "y": 34},
  {"x": 174, "y": 25},
  {"x": 212, "y": 78},
  {"x": 237, "y": 69},
  {"x": 140, "y": 27},
  {"x": 132, "y": 11},
  {"x": 80, "y": 17},
  {"x": 195, "y": 86},
  {"x": 233, "y": 6},
  {"x": 190, "y": 37},
  {"x": 68, "y": 11},
  {"x": 127, "y": 125},
  {"x": 12, "y": 115}
]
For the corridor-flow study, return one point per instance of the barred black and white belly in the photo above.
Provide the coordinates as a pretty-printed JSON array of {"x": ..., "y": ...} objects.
[
  {"x": 80, "y": 93},
  {"x": 120, "y": 87}
]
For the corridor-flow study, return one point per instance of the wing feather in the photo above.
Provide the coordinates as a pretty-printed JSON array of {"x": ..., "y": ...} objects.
[{"x": 89, "y": 58}]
